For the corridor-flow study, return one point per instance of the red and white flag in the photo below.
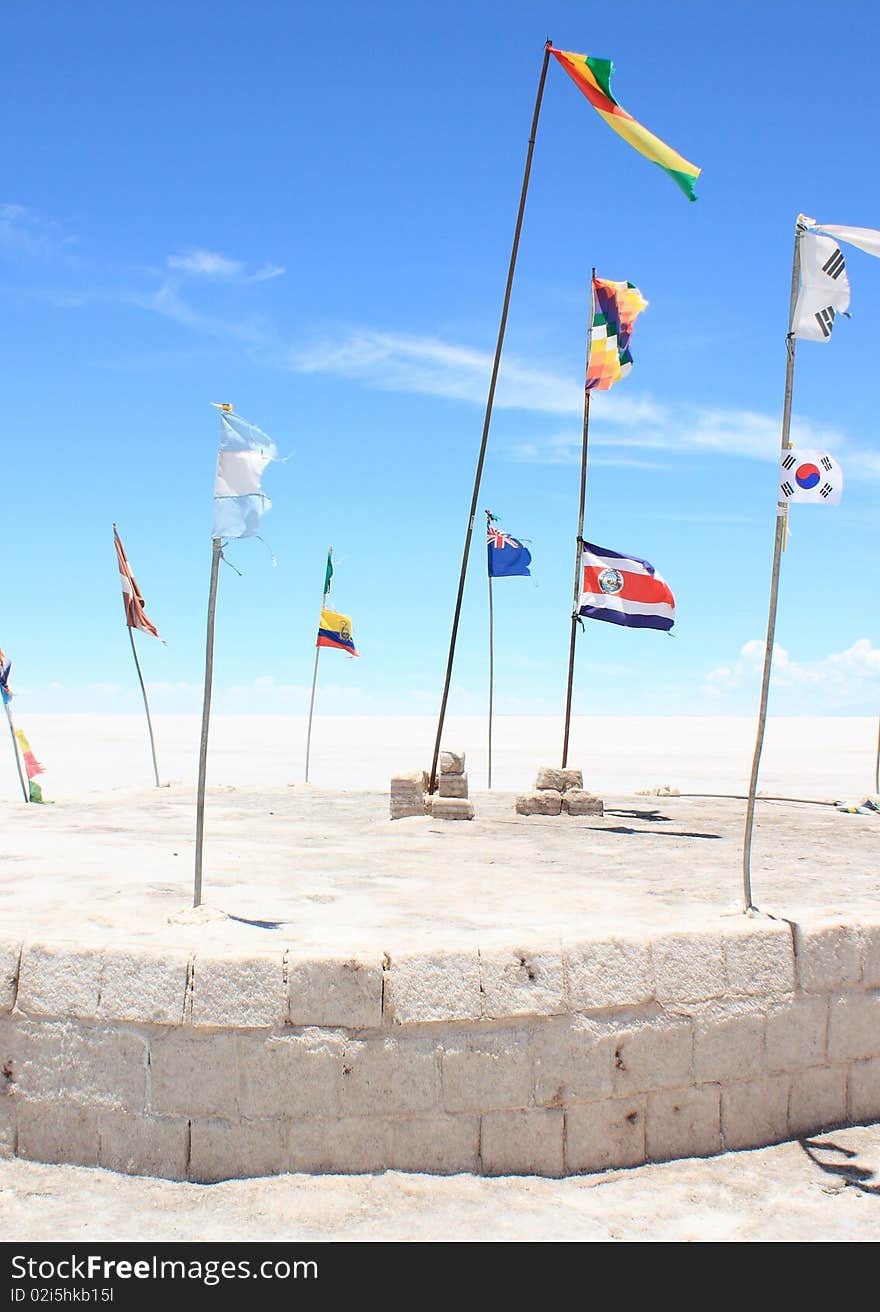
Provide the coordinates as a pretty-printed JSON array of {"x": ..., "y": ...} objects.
[
  {"x": 135, "y": 615},
  {"x": 624, "y": 590}
]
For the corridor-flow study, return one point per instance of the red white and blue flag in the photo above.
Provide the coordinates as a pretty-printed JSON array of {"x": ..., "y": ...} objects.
[
  {"x": 624, "y": 590},
  {"x": 507, "y": 556},
  {"x": 5, "y": 667}
]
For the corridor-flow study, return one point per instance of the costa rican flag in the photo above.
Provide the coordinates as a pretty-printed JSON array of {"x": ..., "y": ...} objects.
[{"x": 624, "y": 590}]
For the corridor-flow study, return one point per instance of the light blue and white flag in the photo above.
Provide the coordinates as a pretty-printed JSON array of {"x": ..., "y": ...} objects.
[{"x": 239, "y": 501}]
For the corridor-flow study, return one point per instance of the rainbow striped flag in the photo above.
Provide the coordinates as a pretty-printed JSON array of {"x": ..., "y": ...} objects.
[
  {"x": 31, "y": 764},
  {"x": 616, "y": 306},
  {"x": 593, "y": 78}
]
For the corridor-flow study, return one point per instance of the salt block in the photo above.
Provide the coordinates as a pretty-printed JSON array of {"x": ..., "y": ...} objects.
[
  {"x": 550, "y": 778},
  {"x": 453, "y": 785},
  {"x": 452, "y": 808},
  {"x": 399, "y": 789},
  {"x": 452, "y": 762},
  {"x": 546, "y": 801},
  {"x": 410, "y": 778},
  {"x": 401, "y": 809},
  {"x": 577, "y": 802},
  {"x": 573, "y": 779}
]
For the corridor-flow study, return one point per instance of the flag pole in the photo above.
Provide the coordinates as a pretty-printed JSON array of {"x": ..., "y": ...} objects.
[
  {"x": 216, "y": 553},
  {"x": 778, "y": 548},
  {"x": 488, "y": 416},
  {"x": 877, "y": 764},
  {"x": 489, "y": 518},
  {"x": 24, "y": 788},
  {"x": 580, "y": 536},
  {"x": 327, "y": 578},
  {"x": 137, "y": 666}
]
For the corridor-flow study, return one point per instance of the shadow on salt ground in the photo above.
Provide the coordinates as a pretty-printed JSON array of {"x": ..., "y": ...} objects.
[
  {"x": 257, "y": 924},
  {"x": 849, "y": 1176},
  {"x": 654, "y": 816},
  {"x": 650, "y": 817}
]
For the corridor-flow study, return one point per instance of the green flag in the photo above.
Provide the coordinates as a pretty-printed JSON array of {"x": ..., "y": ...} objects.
[{"x": 329, "y": 575}]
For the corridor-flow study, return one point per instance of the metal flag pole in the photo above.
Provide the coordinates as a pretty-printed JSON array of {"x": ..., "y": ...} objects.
[
  {"x": 488, "y": 417},
  {"x": 137, "y": 666},
  {"x": 489, "y": 519},
  {"x": 877, "y": 764},
  {"x": 580, "y": 535},
  {"x": 778, "y": 548},
  {"x": 327, "y": 578},
  {"x": 25, "y": 791},
  {"x": 216, "y": 553}
]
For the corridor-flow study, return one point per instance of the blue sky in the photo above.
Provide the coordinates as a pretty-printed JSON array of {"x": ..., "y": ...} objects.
[{"x": 307, "y": 210}]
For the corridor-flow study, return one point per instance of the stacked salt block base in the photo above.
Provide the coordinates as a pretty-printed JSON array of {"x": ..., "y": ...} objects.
[
  {"x": 558, "y": 791},
  {"x": 408, "y": 794},
  {"x": 451, "y": 800},
  {"x": 546, "y": 1056}
]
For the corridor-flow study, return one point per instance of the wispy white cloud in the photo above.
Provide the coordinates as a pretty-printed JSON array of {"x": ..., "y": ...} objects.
[
  {"x": 267, "y": 272},
  {"x": 167, "y": 300},
  {"x": 205, "y": 264},
  {"x": 24, "y": 232},
  {"x": 400, "y": 362},
  {"x": 201, "y": 263},
  {"x": 842, "y": 679}
]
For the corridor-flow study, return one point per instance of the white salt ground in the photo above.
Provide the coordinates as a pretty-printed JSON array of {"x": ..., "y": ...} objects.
[
  {"x": 825, "y": 1189},
  {"x": 323, "y": 869}
]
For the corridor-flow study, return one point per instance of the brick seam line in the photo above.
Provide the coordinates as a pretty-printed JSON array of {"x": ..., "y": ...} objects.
[
  {"x": 16, "y": 978},
  {"x": 189, "y": 990},
  {"x": 386, "y": 997}
]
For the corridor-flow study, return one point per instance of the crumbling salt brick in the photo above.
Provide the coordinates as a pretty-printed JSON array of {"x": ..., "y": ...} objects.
[
  {"x": 548, "y": 777},
  {"x": 409, "y": 780},
  {"x": 401, "y": 808},
  {"x": 451, "y": 808},
  {"x": 755, "y": 1112},
  {"x": 864, "y": 1091},
  {"x": 440, "y": 1145},
  {"x": 453, "y": 785},
  {"x": 452, "y": 762},
  {"x": 223, "y": 1151},
  {"x": 578, "y": 802},
  {"x": 408, "y": 794},
  {"x": 817, "y": 1100},
  {"x": 527, "y": 1142},
  {"x": 572, "y": 779},
  {"x": 57, "y": 1133},
  {"x": 684, "y": 1123},
  {"x": 600, "y": 1135},
  {"x": 143, "y": 1145},
  {"x": 547, "y": 801}
]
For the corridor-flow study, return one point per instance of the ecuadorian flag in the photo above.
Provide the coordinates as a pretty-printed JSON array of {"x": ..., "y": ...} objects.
[{"x": 334, "y": 630}]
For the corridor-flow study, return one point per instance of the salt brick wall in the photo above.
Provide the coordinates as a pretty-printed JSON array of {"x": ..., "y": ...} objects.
[{"x": 556, "y": 1058}]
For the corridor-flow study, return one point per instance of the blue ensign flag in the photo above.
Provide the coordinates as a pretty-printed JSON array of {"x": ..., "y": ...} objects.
[{"x": 507, "y": 557}]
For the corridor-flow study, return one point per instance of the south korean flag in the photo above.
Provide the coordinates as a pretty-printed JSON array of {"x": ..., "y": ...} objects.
[
  {"x": 824, "y": 287},
  {"x": 811, "y": 476}
]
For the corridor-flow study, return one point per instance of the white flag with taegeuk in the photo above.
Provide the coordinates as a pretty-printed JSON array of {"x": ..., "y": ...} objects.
[
  {"x": 810, "y": 476},
  {"x": 824, "y": 288}
]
